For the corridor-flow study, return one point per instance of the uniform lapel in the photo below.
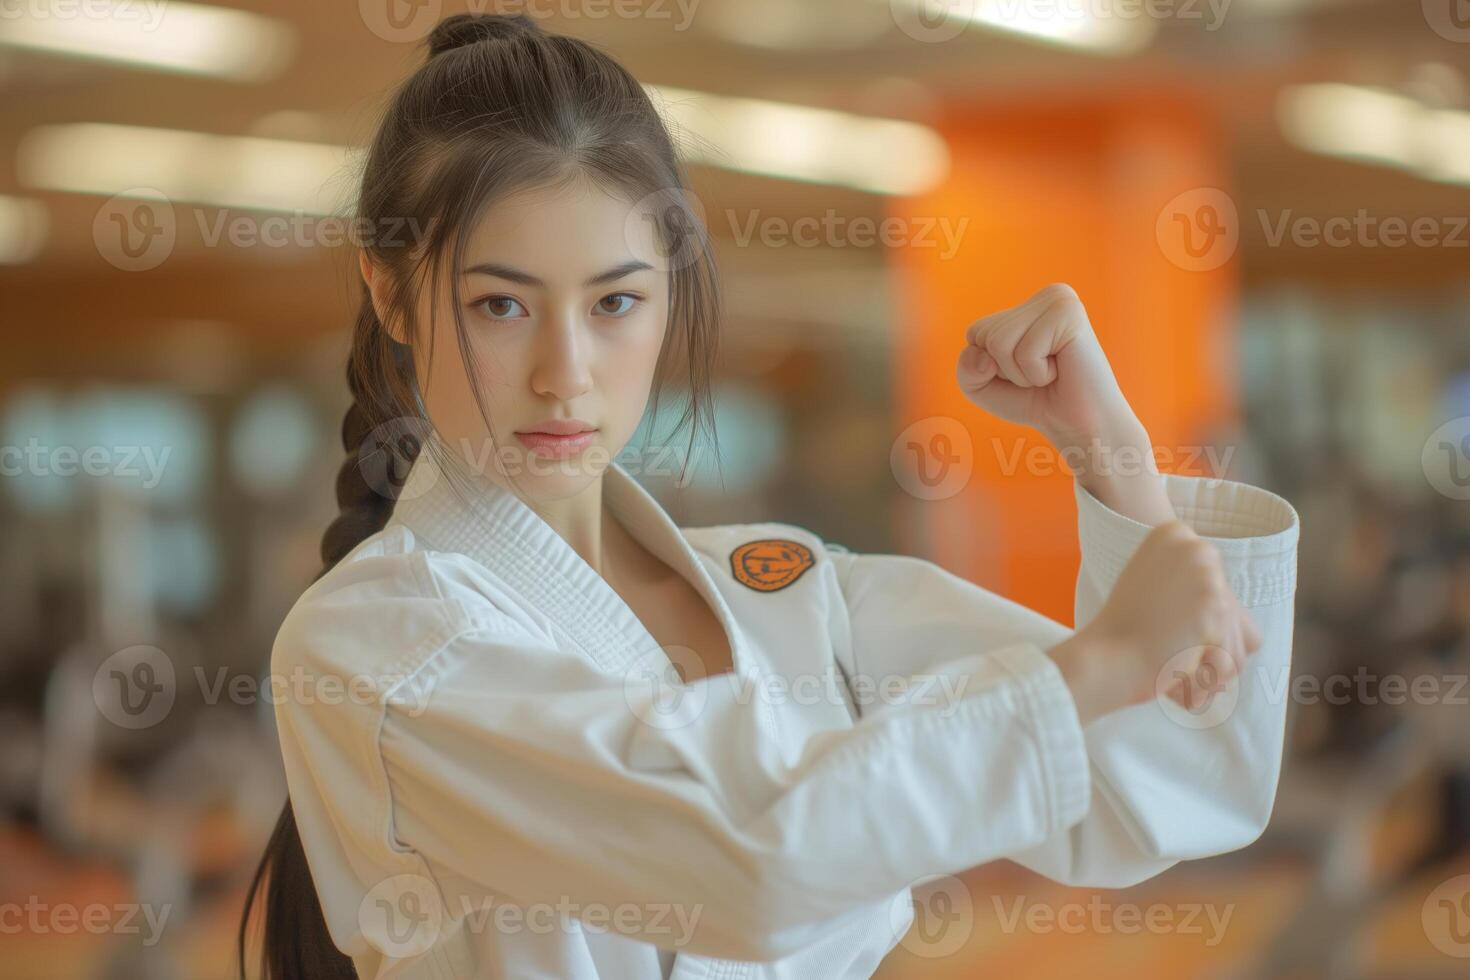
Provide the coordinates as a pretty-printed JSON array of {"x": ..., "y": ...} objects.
[{"x": 450, "y": 509}]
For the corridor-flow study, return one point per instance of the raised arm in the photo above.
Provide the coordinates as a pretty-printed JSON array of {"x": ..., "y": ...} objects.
[{"x": 1213, "y": 581}]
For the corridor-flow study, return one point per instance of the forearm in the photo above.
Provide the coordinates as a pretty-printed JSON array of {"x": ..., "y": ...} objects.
[
  {"x": 1098, "y": 674},
  {"x": 1118, "y": 468}
]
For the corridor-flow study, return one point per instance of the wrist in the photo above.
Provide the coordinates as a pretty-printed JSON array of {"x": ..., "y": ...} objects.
[
  {"x": 1106, "y": 450},
  {"x": 1117, "y": 466},
  {"x": 1112, "y": 423},
  {"x": 1097, "y": 669}
]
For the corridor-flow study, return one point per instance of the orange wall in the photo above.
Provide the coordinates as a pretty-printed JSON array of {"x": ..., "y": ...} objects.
[{"x": 1074, "y": 194}]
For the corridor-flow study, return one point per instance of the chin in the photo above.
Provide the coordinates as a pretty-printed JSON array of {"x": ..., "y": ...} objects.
[{"x": 550, "y": 478}]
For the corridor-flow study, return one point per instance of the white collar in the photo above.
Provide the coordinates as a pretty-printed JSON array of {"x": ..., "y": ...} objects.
[{"x": 473, "y": 515}]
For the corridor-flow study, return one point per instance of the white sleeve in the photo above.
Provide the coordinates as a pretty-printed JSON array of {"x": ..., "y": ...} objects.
[
  {"x": 527, "y": 771},
  {"x": 1166, "y": 785}
]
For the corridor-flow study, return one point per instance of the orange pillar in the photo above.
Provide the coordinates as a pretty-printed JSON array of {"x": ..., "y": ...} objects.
[{"x": 1074, "y": 193}]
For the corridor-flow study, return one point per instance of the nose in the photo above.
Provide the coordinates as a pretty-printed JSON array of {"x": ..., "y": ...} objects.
[{"x": 561, "y": 369}]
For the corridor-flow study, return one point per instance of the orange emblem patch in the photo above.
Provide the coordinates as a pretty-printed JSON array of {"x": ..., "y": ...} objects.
[{"x": 770, "y": 563}]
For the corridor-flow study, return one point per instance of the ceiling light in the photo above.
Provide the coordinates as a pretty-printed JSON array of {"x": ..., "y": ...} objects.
[
  {"x": 1107, "y": 27},
  {"x": 22, "y": 229},
  {"x": 160, "y": 36},
  {"x": 227, "y": 171},
  {"x": 1378, "y": 126},
  {"x": 881, "y": 156}
]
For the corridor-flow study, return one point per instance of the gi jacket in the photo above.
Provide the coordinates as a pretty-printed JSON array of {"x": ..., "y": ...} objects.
[{"x": 495, "y": 772}]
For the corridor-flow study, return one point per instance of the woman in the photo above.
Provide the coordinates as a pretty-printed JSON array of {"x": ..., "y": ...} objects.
[{"x": 537, "y": 730}]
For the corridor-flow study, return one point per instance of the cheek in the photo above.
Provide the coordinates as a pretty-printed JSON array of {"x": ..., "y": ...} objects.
[
  {"x": 626, "y": 366},
  {"x": 450, "y": 396},
  {"x": 634, "y": 355}
]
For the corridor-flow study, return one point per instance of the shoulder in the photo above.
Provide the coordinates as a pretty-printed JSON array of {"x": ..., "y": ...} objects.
[{"x": 385, "y": 609}]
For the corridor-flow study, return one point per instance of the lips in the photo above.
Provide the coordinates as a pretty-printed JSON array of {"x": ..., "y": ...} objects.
[
  {"x": 557, "y": 439},
  {"x": 558, "y": 427}
]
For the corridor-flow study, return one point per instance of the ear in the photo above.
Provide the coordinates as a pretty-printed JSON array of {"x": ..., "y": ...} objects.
[{"x": 377, "y": 284}]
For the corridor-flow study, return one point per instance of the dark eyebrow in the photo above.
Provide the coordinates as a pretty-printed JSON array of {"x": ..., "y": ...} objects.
[{"x": 526, "y": 279}]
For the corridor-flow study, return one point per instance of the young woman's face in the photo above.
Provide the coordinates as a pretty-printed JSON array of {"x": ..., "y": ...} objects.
[{"x": 566, "y": 306}]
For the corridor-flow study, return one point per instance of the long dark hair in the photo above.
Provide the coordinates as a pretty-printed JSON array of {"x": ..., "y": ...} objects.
[{"x": 499, "y": 105}]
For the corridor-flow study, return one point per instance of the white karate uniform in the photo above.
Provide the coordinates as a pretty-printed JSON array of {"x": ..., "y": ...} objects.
[{"x": 502, "y": 796}]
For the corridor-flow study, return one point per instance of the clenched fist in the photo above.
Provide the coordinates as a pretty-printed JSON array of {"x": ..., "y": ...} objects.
[
  {"x": 1171, "y": 624},
  {"x": 1040, "y": 364}
]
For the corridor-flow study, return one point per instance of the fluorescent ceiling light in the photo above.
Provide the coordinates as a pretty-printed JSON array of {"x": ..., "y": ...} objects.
[
  {"x": 1378, "y": 126},
  {"x": 22, "y": 229},
  {"x": 1108, "y": 27},
  {"x": 1349, "y": 121},
  {"x": 160, "y": 35},
  {"x": 1090, "y": 29},
  {"x": 880, "y": 156},
  {"x": 202, "y": 168},
  {"x": 1446, "y": 145}
]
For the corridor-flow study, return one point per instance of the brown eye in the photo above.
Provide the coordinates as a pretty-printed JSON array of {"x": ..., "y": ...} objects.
[
  {"x": 620, "y": 310},
  {"x": 499, "y": 307}
]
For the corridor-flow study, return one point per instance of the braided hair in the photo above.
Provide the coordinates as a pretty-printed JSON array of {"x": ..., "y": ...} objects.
[{"x": 498, "y": 105}]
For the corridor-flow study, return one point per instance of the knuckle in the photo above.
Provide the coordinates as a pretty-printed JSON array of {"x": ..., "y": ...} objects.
[
  {"x": 1059, "y": 292},
  {"x": 1181, "y": 530},
  {"x": 976, "y": 332},
  {"x": 1173, "y": 531},
  {"x": 1203, "y": 555}
]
